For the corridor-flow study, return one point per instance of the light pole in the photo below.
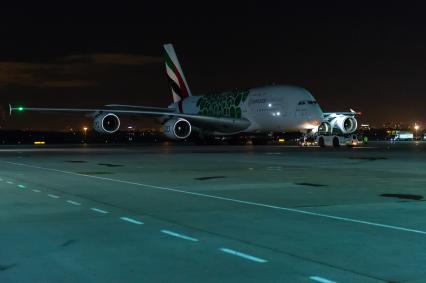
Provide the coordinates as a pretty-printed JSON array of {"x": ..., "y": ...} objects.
[
  {"x": 85, "y": 133},
  {"x": 416, "y": 127}
]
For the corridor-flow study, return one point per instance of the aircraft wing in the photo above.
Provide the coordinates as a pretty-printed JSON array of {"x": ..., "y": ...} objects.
[
  {"x": 134, "y": 107},
  {"x": 350, "y": 113},
  {"x": 222, "y": 124}
]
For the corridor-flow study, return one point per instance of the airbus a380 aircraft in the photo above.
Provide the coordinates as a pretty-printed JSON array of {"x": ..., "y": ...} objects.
[{"x": 266, "y": 109}]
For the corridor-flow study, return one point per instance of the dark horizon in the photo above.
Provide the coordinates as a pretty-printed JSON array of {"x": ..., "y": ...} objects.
[{"x": 369, "y": 57}]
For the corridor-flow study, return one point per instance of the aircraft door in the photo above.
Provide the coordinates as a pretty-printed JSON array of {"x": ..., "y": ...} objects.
[{"x": 301, "y": 110}]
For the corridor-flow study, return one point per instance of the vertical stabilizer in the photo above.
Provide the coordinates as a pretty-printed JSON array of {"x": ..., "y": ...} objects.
[{"x": 179, "y": 86}]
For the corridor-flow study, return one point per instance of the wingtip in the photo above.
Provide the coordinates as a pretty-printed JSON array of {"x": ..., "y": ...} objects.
[{"x": 355, "y": 112}]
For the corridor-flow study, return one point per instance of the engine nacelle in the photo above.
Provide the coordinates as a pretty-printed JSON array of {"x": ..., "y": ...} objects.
[
  {"x": 325, "y": 128},
  {"x": 339, "y": 124},
  {"x": 106, "y": 123},
  {"x": 344, "y": 124},
  {"x": 177, "y": 128}
]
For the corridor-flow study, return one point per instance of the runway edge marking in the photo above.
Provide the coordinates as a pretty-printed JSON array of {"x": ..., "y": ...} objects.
[
  {"x": 73, "y": 202},
  {"x": 99, "y": 210},
  {"x": 131, "y": 220},
  {"x": 177, "y": 235},
  {"x": 243, "y": 255},
  {"x": 226, "y": 199},
  {"x": 52, "y": 196},
  {"x": 321, "y": 279}
]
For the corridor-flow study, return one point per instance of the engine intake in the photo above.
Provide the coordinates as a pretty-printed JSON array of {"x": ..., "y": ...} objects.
[
  {"x": 325, "y": 128},
  {"x": 341, "y": 124},
  {"x": 106, "y": 123},
  {"x": 177, "y": 128},
  {"x": 346, "y": 125}
]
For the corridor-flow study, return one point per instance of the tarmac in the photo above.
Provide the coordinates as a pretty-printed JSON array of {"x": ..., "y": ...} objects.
[{"x": 182, "y": 213}]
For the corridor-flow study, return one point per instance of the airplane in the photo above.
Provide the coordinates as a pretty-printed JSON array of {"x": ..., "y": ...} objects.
[{"x": 260, "y": 110}]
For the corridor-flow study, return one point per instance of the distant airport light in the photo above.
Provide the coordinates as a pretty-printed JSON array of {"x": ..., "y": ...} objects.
[
  {"x": 39, "y": 142},
  {"x": 269, "y": 105},
  {"x": 20, "y": 108},
  {"x": 85, "y": 133},
  {"x": 281, "y": 140},
  {"x": 416, "y": 128}
]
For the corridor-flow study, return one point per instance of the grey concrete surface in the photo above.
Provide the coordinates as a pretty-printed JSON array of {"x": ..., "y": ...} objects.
[{"x": 176, "y": 213}]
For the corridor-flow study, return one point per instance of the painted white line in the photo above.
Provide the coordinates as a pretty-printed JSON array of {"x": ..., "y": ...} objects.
[
  {"x": 320, "y": 279},
  {"x": 179, "y": 235},
  {"x": 52, "y": 196},
  {"x": 99, "y": 210},
  {"x": 22, "y": 186},
  {"x": 243, "y": 255},
  {"x": 73, "y": 202},
  {"x": 131, "y": 220},
  {"x": 273, "y": 169},
  {"x": 9, "y": 182},
  {"x": 36, "y": 191},
  {"x": 305, "y": 212}
]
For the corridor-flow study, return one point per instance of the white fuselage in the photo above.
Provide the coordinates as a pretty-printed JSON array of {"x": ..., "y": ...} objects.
[{"x": 269, "y": 109}]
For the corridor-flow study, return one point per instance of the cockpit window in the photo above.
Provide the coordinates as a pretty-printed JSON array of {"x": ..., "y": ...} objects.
[{"x": 303, "y": 102}]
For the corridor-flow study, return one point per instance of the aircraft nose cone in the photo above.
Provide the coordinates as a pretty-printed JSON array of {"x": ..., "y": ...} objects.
[{"x": 316, "y": 118}]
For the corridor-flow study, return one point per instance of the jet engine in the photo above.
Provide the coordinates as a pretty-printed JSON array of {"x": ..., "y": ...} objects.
[
  {"x": 106, "y": 123},
  {"x": 325, "y": 128},
  {"x": 339, "y": 124},
  {"x": 177, "y": 128},
  {"x": 345, "y": 124}
]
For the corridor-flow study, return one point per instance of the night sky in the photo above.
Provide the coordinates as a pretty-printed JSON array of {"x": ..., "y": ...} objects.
[{"x": 365, "y": 56}]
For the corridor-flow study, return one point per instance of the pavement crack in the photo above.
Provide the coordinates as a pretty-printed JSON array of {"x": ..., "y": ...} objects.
[
  {"x": 4, "y": 267},
  {"x": 209, "y": 178},
  {"x": 110, "y": 165},
  {"x": 68, "y": 243},
  {"x": 311, "y": 184}
]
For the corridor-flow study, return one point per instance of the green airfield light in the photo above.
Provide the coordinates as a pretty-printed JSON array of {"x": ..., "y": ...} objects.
[{"x": 20, "y": 108}]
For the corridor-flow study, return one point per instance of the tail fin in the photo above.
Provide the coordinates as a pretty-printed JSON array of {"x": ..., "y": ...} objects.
[{"x": 179, "y": 86}]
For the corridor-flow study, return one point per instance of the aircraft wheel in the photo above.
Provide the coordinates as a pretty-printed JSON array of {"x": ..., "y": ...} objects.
[
  {"x": 321, "y": 142},
  {"x": 336, "y": 142},
  {"x": 259, "y": 141}
]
